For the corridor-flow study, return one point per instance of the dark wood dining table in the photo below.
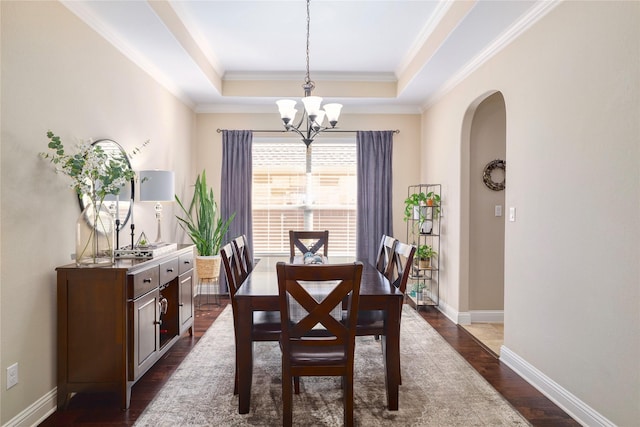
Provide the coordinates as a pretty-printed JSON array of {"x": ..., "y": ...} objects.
[{"x": 260, "y": 292}]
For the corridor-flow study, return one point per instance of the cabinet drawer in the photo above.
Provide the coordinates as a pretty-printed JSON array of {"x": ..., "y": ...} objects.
[
  {"x": 168, "y": 271},
  {"x": 145, "y": 280},
  {"x": 186, "y": 262}
]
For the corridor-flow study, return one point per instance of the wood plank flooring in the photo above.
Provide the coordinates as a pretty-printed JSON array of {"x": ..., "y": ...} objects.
[{"x": 102, "y": 409}]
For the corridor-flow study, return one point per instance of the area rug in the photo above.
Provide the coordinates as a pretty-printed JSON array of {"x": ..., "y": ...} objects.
[{"x": 439, "y": 388}]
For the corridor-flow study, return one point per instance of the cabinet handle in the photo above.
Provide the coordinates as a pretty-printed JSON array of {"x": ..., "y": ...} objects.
[
  {"x": 157, "y": 322},
  {"x": 187, "y": 262},
  {"x": 169, "y": 270},
  {"x": 146, "y": 280},
  {"x": 181, "y": 305}
]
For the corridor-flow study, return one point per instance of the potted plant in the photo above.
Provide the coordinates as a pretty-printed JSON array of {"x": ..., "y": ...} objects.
[
  {"x": 433, "y": 200},
  {"x": 424, "y": 253},
  {"x": 205, "y": 227},
  {"x": 412, "y": 206},
  {"x": 416, "y": 207},
  {"x": 95, "y": 173}
]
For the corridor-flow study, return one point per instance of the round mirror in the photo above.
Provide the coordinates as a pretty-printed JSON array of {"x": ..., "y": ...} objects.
[{"x": 119, "y": 205}]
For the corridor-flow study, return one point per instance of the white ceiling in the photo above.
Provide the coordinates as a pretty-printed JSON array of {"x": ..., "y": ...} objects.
[{"x": 200, "y": 49}]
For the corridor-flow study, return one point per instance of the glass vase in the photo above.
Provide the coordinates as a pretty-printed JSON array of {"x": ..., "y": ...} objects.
[{"x": 95, "y": 235}]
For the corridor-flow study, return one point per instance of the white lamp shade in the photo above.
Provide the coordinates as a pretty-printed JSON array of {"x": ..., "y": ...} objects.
[
  {"x": 287, "y": 108},
  {"x": 333, "y": 112},
  {"x": 312, "y": 104},
  {"x": 319, "y": 118},
  {"x": 157, "y": 186}
]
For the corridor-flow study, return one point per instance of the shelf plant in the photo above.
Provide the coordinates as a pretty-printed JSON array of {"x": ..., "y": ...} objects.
[
  {"x": 433, "y": 200},
  {"x": 424, "y": 253},
  {"x": 413, "y": 203}
]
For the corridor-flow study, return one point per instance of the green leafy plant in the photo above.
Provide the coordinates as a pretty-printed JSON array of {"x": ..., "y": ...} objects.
[
  {"x": 433, "y": 199},
  {"x": 202, "y": 221},
  {"x": 425, "y": 252},
  {"x": 414, "y": 200},
  {"x": 93, "y": 171}
]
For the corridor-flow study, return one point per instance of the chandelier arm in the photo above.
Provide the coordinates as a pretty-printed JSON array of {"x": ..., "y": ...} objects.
[
  {"x": 302, "y": 117},
  {"x": 296, "y": 130}
]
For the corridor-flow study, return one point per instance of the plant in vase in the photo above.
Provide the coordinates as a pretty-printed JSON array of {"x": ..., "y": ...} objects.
[
  {"x": 433, "y": 200},
  {"x": 205, "y": 227},
  {"x": 424, "y": 253},
  {"x": 424, "y": 208},
  {"x": 94, "y": 173}
]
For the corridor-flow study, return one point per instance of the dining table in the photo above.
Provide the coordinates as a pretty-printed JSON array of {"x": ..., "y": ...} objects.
[{"x": 259, "y": 292}]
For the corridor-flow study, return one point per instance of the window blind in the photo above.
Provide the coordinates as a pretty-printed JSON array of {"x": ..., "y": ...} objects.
[{"x": 287, "y": 197}]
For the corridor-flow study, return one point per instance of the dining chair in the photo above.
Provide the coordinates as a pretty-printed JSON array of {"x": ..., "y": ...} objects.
[
  {"x": 241, "y": 250},
  {"x": 266, "y": 324},
  {"x": 384, "y": 259},
  {"x": 313, "y": 341},
  {"x": 371, "y": 322},
  {"x": 308, "y": 241}
]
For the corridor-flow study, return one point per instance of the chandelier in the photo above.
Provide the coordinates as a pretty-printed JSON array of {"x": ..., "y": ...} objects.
[{"x": 313, "y": 116}]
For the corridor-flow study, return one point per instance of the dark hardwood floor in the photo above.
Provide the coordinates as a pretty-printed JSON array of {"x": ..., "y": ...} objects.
[{"x": 102, "y": 409}]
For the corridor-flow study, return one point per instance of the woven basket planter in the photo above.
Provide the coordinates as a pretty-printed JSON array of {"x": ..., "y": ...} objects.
[{"x": 208, "y": 267}]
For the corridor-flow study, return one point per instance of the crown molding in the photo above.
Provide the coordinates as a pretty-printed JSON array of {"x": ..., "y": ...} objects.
[
  {"x": 318, "y": 76},
  {"x": 512, "y": 33},
  {"x": 272, "y": 109}
]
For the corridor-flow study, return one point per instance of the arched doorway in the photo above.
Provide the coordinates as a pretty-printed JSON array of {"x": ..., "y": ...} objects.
[{"x": 483, "y": 220}]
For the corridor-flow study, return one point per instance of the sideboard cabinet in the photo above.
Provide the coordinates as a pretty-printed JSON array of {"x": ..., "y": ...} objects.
[{"x": 115, "y": 322}]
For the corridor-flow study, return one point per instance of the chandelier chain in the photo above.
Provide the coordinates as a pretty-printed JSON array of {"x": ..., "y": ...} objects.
[{"x": 308, "y": 77}]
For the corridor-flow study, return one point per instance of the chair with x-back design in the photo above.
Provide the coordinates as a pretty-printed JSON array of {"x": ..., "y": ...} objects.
[
  {"x": 241, "y": 250},
  {"x": 314, "y": 342},
  {"x": 384, "y": 260},
  {"x": 308, "y": 241},
  {"x": 266, "y": 324}
]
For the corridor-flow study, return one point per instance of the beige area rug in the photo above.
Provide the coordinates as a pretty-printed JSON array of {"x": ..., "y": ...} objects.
[{"x": 439, "y": 388}]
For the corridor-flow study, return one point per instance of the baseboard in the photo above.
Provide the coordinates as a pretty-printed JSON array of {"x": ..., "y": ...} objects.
[
  {"x": 448, "y": 311},
  {"x": 573, "y": 406},
  {"x": 37, "y": 412},
  {"x": 487, "y": 316}
]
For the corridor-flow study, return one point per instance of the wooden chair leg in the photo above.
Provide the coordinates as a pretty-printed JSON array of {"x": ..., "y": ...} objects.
[
  {"x": 235, "y": 384},
  {"x": 348, "y": 401},
  {"x": 287, "y": 400},
  {"x": 296, "y": 385}
]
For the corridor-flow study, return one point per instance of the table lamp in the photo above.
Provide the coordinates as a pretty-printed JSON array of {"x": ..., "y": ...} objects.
[{"x": 157, "y": 186}]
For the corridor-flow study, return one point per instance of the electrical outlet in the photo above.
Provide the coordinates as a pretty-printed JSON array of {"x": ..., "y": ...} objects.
[{"x": 12, "y": 375}]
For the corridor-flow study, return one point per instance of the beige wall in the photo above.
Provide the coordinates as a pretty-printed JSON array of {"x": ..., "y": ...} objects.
[
  {"x": 570, "y": 85},
  {"x": 572, "y": 96},
  {"x": 486, "y": 231},
  {"x": 58, "y": 74},
  {"x": 406, "y": 146}
]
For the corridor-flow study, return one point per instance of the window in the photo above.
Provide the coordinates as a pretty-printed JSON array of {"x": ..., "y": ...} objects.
[{"x": 286, "y": 197}]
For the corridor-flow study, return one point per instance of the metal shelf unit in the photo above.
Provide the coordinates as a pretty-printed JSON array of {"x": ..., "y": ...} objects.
[{"x": 423, "y": 228}]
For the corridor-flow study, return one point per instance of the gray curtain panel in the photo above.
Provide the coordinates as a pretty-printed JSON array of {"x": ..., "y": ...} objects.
[
  {"x": 374, "y": 153},
  {"x": 236, "y": 186}
]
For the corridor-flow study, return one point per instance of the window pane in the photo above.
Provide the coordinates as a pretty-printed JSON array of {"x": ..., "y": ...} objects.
[{"x": 285, "y": 197}]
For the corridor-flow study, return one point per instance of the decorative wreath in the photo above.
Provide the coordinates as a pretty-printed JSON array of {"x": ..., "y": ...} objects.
[{"x": 486, "y": 174}]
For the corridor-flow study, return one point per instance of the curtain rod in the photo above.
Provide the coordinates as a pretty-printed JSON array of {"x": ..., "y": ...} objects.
[{"x": 284, "y": 131}]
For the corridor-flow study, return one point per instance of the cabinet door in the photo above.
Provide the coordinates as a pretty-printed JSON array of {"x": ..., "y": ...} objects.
[
  {"x": 145, "y": 333},
  {"x": 186, "y": 300}
]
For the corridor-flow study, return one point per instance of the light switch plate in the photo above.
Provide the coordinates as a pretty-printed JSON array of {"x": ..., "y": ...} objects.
[
  {"x": 512, "y": 214},
  {"x": 498, "y": 210},
  {"x": 12, "y": 375}
]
